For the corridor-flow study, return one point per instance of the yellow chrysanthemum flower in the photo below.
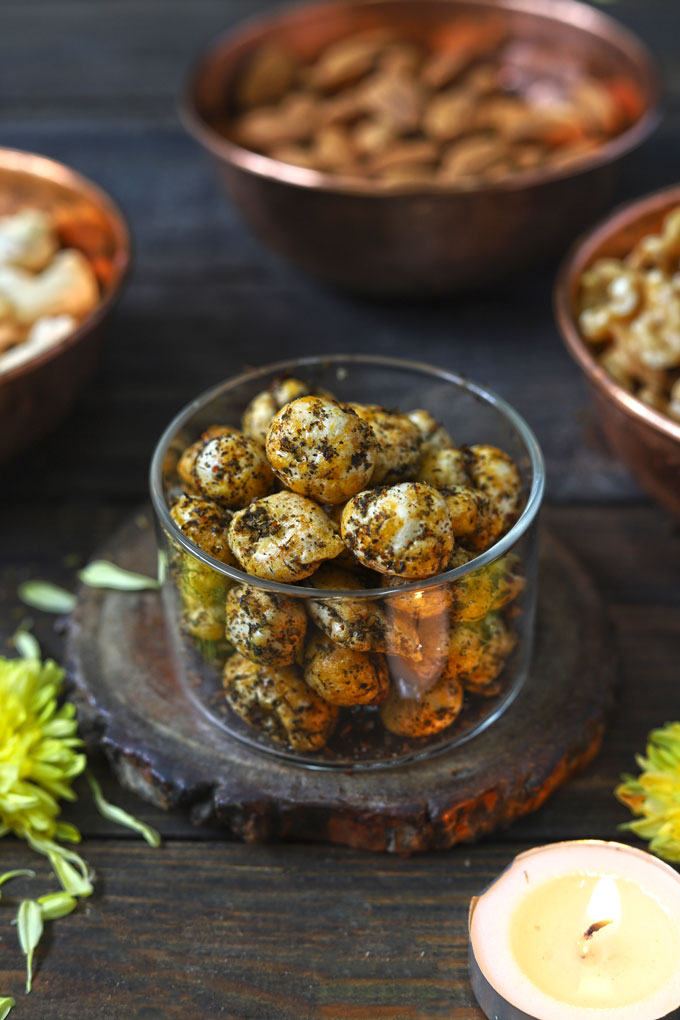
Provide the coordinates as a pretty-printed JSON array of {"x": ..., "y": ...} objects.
[
  {"x": 655, "y": 793},
  {"x": 39, "y": 759}
]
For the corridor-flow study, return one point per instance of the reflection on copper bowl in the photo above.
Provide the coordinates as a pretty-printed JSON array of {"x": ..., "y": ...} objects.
[
  {"x": 422, "y": 239},
  {"x": 645, "y": 439},
  {"x": 35, "y": 394}
]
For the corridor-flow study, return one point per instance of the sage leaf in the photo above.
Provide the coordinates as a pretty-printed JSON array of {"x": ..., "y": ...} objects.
[
  {"x": 56, "y": 905},
  {"x": 30, "y": 929},
  {"x": 6, "y": 1004},
  {"x": 26, "y": 645},
  {"x": 47, "y": 596},
  {"x": 18, "y": 873},
  {"x": 116, "y": 814},
  {"x": 102, "y": 574}
]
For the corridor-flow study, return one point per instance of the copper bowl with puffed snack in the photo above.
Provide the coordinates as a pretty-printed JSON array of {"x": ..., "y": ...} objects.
[
  {"x": 64, "y": 252},
  {"x": 347, "y": 584},
  {"x": 420, "y": 147},
  {"x": 617, "y": 303}
]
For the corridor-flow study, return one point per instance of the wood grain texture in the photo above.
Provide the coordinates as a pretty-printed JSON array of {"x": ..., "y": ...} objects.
[
  {"x": 208, "y": 928},
  {"x": 257, "y": 933}
]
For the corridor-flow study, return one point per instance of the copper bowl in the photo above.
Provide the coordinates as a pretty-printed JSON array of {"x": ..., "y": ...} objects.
[
  {"x": 37, "y": 393},
  {"x": 646, "y": 440},
  {"x": 420, "y": 240}
]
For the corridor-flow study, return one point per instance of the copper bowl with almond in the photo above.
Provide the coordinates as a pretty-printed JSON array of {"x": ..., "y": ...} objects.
[
  {"x": 421, "y": 147},
  {"x": 617, "y": 304}
]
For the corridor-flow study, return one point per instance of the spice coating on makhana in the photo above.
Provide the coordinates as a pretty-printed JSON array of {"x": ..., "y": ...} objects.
[
  {"x": 265, "y": 626},
  {"x": 233, "y": 470},
  {"x": 402, "y": 529},
  {"x": 322, "y": 450},
  {"x": 283, "y": 537},
  {"x": 373, "y": 498},
  {"x": 277, "y": 701}
]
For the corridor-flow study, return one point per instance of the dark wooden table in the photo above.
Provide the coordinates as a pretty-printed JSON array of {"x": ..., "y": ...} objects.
[{"x": 206, "y": 927}]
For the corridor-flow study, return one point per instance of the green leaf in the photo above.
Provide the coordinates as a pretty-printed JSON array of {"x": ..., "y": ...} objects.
[
  {"x": 6, "y": 1004},
  {"x": 26, "y": 645},
  {"x": 30, "y": 929},
  {"x": 18, "y": 873},
  {"x": 102, "y": 574},
  {"x": 56, "y": 905},
  {"x": 162, "y": 566},
  {"x": 116, "y": 814},
  {"x": 47, "y": 596}
]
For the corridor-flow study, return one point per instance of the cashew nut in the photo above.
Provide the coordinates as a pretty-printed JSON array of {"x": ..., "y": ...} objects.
[
  {"x": 27, "y": 239},
  {"x": 67, "y": 287}
]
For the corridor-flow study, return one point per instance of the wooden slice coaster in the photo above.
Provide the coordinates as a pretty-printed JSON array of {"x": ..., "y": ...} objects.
[{"x": 131, "y": 703}]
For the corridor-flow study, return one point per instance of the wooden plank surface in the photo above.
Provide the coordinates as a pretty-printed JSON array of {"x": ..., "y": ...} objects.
[
  {"x": 231, "y": 931},
  {"x": 205, "y": 927},
  {"x": 287, "y": 933}
]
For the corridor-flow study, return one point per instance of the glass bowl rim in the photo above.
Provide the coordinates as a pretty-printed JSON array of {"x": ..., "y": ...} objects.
[{"x": 480, "y": 393}]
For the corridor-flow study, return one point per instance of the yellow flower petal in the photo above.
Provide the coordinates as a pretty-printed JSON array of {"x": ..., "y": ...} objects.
[
  {"x": 39, "y": 749},
  {"x": 655, "y": 794}
]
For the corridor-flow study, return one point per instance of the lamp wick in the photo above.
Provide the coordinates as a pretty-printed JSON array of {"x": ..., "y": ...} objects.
[
  {"x": 588, "y": 934},
  {"x": 595, "y": 926}
]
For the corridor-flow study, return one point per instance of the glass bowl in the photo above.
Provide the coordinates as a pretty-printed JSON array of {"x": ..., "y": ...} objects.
[{"x": 475, "y": 621}]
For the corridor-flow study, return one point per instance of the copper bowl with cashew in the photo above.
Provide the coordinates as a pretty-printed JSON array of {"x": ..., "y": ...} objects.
[
  {"x": 36, "y": 392},
  {"x": 417, "y": 237},
  {"x": 644, "y": 437}
]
